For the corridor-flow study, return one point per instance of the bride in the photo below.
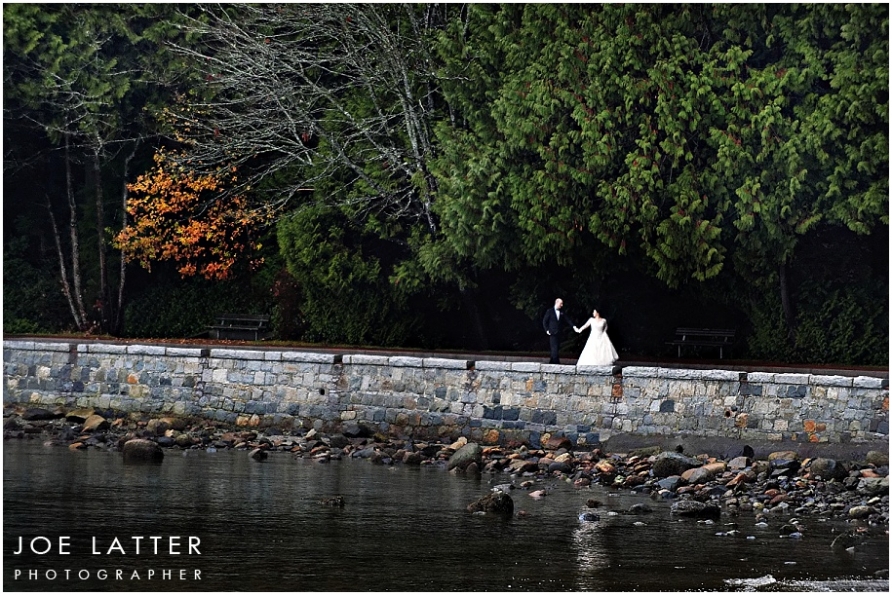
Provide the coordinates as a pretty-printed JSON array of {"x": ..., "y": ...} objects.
[{"x": 598, "y": 350}]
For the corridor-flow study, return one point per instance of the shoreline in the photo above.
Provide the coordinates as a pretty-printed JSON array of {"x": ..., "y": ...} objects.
[{"x": 701, "y": 483}]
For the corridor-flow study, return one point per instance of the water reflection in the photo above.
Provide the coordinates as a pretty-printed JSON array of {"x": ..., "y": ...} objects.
[{"x": 592, "y": 557}]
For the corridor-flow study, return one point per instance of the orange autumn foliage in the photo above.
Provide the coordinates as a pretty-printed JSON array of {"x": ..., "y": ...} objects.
[{"x": 178, "y": 215}]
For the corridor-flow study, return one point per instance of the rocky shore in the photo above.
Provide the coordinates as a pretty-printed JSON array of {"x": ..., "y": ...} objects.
[{"x": 700, "y": 485}]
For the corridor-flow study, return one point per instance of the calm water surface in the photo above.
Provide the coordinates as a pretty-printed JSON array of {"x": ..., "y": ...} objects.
[{"x": 262, "y": 527}]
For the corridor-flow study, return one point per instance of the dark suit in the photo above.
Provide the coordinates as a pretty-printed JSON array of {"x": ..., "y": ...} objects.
[{"x": 553, "y": 326}]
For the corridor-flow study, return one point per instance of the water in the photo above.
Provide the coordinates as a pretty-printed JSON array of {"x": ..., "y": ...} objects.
[{"x": 262, "y": 527}]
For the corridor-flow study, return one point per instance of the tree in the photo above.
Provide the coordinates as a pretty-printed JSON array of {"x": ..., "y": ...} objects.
[
  {"x": 299, "y": 94},
  {"x": 691, "y": 136},
  {"x": 73, "y": 74},
  {"x": 170, "y": 221}
]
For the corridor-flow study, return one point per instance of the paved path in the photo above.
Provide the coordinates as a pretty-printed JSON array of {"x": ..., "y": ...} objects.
[{"x": 625, "y": 360}]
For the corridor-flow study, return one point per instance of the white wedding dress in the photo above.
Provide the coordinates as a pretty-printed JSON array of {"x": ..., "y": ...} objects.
[{"x": 598, "y": 350}]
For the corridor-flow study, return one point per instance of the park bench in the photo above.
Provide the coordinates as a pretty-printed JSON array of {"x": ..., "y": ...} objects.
[
  {"x": 252, "y": 327},
  {"x": 703, "y": 337}
]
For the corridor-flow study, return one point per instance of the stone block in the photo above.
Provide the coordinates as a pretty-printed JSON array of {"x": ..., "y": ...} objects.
[
  {"x": 237, "y": 354},
  {"x": 641, "y": 372},
  {"x": 183, "y": 352},
  {"x": 146, "y": 350},
  {"x": 526, "y": 367},
  {"x": 594, "y": 370},
  {"x": 559, "y": 368},
  {"x": 447, "y": 364},
  {"x": 722, "y": 375},
  {"x": 679, "y": 374},
  {"x": 841, "y": 381},
  {"x": 867, "y": 382},
  {"x": 791, "y": 378},
  {"x": 311, "y": 358},
  {"x": 406, "y": 362},
  {"x": 493, "y": 366},
  {"x": 55, "y": 347}
]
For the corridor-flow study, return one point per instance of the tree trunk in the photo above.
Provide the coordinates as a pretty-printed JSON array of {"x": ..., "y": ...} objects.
[
  {"x": 476, "y": 321},
  {"x": 77, "y": 296},
  {"x": 118, "y": 311},
  {"x": 786, "y": 304},
  {"x": 103, "y": 305}
]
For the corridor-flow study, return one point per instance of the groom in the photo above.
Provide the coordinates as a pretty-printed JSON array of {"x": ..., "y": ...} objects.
[{"x": 553, "y": 322}]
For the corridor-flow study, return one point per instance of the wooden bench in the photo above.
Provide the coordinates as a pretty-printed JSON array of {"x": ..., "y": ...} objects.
[
  {"x": 253, "y": 327},
  {"x": 703, "y": 337}
]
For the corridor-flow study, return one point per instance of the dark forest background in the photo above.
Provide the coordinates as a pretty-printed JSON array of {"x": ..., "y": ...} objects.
[{"x": 434, "y": 176}]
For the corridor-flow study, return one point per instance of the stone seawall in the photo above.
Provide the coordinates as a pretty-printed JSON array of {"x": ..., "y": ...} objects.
[{"x": 424, "y": 398}]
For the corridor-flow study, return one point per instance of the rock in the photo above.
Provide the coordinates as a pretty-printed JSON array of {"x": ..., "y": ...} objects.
[
  {"x": 94, "y": 423},
  {"x": 338, "y": 441},
  {"x": 877, "y": 458},
  {"x": 413, "y": 458},
  {"x": 538, "y": 494},
  {"x": 184, "y": 441},
  {"x": 589, "y": 517},
  {"x": 827, "y": 469},
  {"x": 470, "y": 452},
  {"x": 473, "y": 468},
  {"x": 157, "y": 426},
  {"x": 258, "y": 454},
  {"x": 786, "y": 459},
  {"x": 79, "y": 415},
  {"x": 860, "y": 512},
  {"x": 640, "y": 509},
  {"x": 697, "y": 475},
  {"x": 560, "y": 467},
  {"x": 670, "y": 483},
  {"x": 38, "y": 414},
  {"x": 336, "y": 501},
  {"x": 498, "y": 503},
  {"x": 558, "y": 442},
  {"x": 523, "y": 466},
  {"x": 672, "y": 463},
  {"x": 140, "y": 450},
  {"x": 353, "y": 430},
  {"x": 870, "y": 486},
  {"x": 695, "y": 509},
  {"x": 739, "y": 463},
  {"x": 165, "y": 441},
  {"x": 459, "y": 444}
]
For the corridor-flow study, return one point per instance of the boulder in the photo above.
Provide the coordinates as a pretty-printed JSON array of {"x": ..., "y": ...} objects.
[
  {"x": 558, "y": 442},
  {"x": 739, "y": 463},
  {"x": 827, "y": 469},
  {"x": 877, "y": 458},
  {"x": 258, "y": 454},
  {"x": 523, "y": 466},
  {"x": 470, "y": 452},
  {"x": 498, "y": 503},
  {"x": 38, "y": 414},
  {"x": 786, "y": 459},
  {"x": 79, "y": 415},
  {"x": 140, "y": 450},
  {"x": 697, "y": 475},
  {"x": 157, "y": 426},
  {"x": 873, "y": 486},
  {"x": 695, "y": 509},
  {"x": 95, "y": 423},
  {"x": 184, "y": 441},
  {"x": 672, "y": 463},
  {"x": 413, "y": 458}
]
